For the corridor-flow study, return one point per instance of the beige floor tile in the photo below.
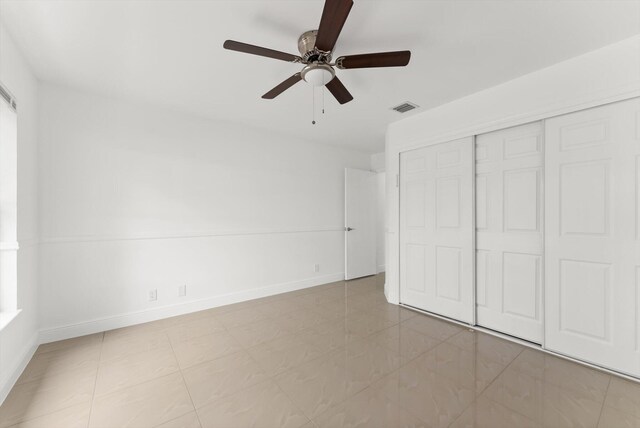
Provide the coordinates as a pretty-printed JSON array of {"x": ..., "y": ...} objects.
[
  {"x": 484, "y": 413},
  {"x": 405, "y": 341},
  {"x": 392, "y": 312},
  {"x": 274, "y": 298},
  {"x": 368, "y": 408},
  {"x": 361, "y": 285},
  {"x": 366, "y": 367},
  {"x": 194, "y": 328},
  {"x": 543, "y": 402},
  {"x": 327, "y": 381},
  {"x": 299, "y": 320},
  {"x": 436, "y": 328},
  {"x": 145, "y": 405},
  {"x": 563, "y": 373},
  {"x": 614, "y": 418},
  {"x": 368, "y": 300},
  {"x": 72, "y": 358},
  {"x": 186, "y": 318},
  {"x": 364, "y": 324},
  {"x": 82, "y": 341},
  {"x": 122, "y": 345},
  {"x": 624, "y": 395},
  {"x": 283, "y": 354},
  {"x": 205, "y": 348},
  {"x": 277, "y": 308},
  {"x": 72, "y": 417},
  {"x": 334, "y": 293},
  {"x": 47, "y": 395},
  {"x": 190, "y": 420},
  {"x": 328, "y": 336},
  {"x": 133, "y": 369},
  {"x": 241, "y": 317},
  {"x": 251, "y": 335},
  {"x": 263, "y": 405},
  {"x": 337, "y": 309},
  {"x": 337, "y": 353},
  {"x": 319, "y": 385},
  {"x": 135, "y": 329},
  {"x": 488, "y": 346},
  {"x": 300, "y": 292},
  {"x": 432, "y": 398},
  {"x": 335, "y": 284},
  {"x": 315, "y": 299},
  {"x": 358, "y": 346},
  {"x": 470, "y": 369},
  {"x": 210, "y": 381}
]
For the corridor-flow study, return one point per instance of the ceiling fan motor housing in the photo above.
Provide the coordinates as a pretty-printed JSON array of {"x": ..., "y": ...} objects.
[{"x": 308, "y": 50}]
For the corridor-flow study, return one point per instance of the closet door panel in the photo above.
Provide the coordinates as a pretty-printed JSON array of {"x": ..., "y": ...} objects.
[
  {"x": 509, "y": 207},
  {"x": 436, "y": 235},
  {"x": 592, "y": 245}
]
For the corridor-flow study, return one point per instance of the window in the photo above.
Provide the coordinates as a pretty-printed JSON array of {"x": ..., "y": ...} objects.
[{"x": 8, "y": 204}]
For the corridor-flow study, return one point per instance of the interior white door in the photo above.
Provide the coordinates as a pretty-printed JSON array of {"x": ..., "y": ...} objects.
[
  {"x": 509, "y": 231},
  {"x": 437, "y": 230},
  {"x": 592, "y": 297},
  {"x": 360, "y": 223}
]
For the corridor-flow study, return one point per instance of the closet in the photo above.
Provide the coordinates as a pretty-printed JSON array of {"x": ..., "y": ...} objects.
[
  {"x": 437, "y": 229},
  {"x": 592, "y": 250},
  {"x": 509, "y": 231},
  {"x": 532, "y": 231}
]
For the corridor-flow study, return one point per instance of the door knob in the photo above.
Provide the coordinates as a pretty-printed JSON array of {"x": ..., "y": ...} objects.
[{"x": 348, "y": 229}]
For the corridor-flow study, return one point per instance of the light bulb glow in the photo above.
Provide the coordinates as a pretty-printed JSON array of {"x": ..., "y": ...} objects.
[{"x": 318, "y": 74}]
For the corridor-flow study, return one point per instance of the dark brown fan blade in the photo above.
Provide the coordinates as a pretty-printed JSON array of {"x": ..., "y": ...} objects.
[
  {"x": 282, "y": 87},
  {"x": 232, "y": 45},
  {"x": 333, "y": 18},
  {"x": 382, "y": 59},
  {"x": 338, "y": 90}
]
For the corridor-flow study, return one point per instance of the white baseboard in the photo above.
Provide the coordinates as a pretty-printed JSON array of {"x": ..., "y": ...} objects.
[
  {"x": 14, "y": 373},
  {"x": 138, "y": 317},
  {"x": 380, "y": 268}
]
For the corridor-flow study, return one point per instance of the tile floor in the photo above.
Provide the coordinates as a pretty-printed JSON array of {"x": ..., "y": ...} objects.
[{"x": 336, "y": 355}]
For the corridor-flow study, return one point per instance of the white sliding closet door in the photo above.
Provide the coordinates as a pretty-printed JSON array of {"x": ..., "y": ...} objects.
[
  {"x": 509, "y": 237},
  {"x": 436, "y": 229},
  {"x": 592, "y": 237}
]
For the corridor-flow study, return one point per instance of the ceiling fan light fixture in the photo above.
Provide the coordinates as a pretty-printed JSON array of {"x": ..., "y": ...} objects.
[{"x": 318, "y": 74}]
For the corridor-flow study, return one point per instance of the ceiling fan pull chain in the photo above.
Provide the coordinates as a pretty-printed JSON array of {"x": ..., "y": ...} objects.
[
  {"x": 313, "y": 100},
  {"x": 322, "y": 89}
]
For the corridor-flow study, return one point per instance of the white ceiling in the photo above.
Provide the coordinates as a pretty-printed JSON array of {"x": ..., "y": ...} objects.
[{"x": 170, "y": 53}]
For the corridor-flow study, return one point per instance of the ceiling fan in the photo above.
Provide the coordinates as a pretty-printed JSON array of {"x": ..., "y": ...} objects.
[{"x": 316, "y": 49}]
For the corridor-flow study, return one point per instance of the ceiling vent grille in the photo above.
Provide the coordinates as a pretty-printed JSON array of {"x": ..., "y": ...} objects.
[
  {"x": 7, "y": 97},
  {"x": 405, "y": 107}
]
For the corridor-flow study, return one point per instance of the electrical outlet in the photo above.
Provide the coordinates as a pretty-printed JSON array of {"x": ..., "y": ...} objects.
[
  {"x": 182, "y": 290},
  {"x": 153, "y": 295},
  {"x": 316, "y": 267}
]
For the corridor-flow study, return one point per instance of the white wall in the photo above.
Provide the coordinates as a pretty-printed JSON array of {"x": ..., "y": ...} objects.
[
  {"x": 605, "y": 75},
  {"x": 136, "y": 198},
  {"x": 18, "y": 339}
]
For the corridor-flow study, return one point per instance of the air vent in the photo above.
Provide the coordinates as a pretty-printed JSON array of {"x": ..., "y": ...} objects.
[
  {"x": 405, "y": 107},
  {"x": 7, "y": 97}
]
